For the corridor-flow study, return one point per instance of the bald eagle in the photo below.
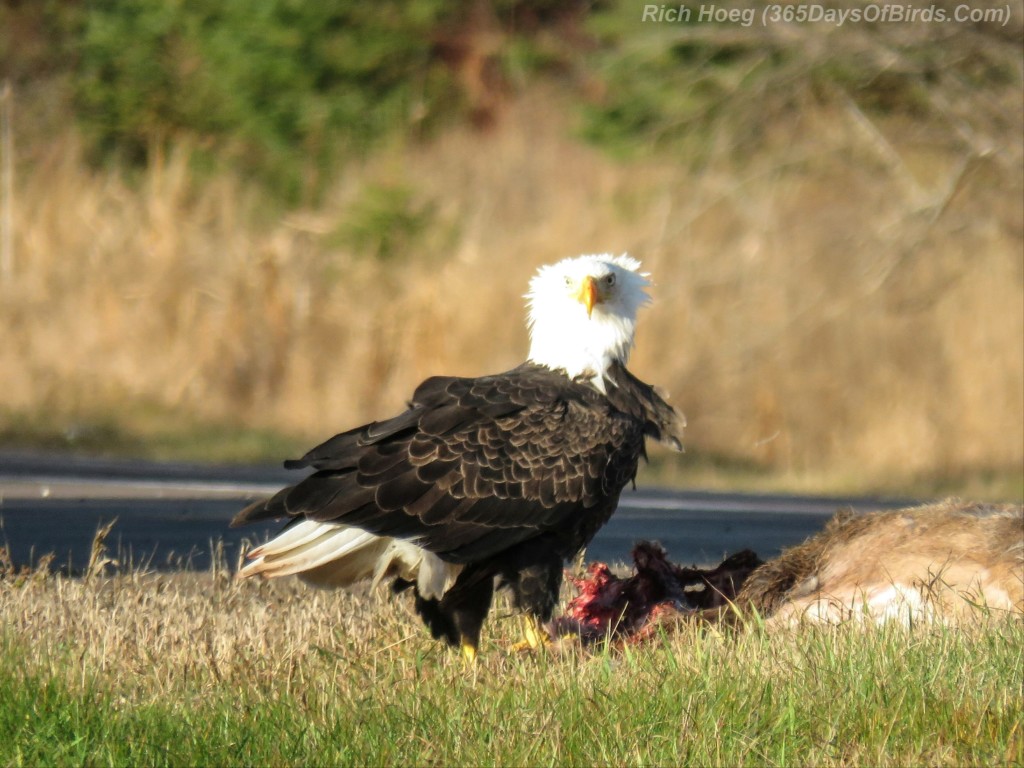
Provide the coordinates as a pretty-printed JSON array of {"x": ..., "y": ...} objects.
[{"x": 484, "y": 482}]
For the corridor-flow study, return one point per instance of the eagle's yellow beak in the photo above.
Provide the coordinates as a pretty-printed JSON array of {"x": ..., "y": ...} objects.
[{"x": 587, "y": 294}]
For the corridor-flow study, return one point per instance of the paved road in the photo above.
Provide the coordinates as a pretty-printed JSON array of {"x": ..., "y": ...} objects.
[{"x": 172, "y": 515}]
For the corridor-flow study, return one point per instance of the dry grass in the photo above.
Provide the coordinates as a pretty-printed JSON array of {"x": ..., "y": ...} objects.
[
  {"x": 153, "y": 635},
  {"x": 157, "y": 634},
  {"x": 847, "y": 302}
]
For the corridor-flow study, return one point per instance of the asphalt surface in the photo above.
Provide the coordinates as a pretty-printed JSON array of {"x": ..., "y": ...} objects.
[{"x": 172, "y": 516}]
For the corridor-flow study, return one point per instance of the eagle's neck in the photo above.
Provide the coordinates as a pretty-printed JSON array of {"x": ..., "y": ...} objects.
[{"x": 582, "y": 347}]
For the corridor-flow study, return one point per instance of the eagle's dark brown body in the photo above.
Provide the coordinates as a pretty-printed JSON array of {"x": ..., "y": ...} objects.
[{"x": 506, "y": 476}]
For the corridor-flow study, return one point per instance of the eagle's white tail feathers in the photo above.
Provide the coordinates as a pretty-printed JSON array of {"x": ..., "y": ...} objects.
[
  {"x": 334, "y": 555},
  {"x": 320, "y": 547},
  {"x": 349, "y": 569},
  {"x": 291, "y": 537}
]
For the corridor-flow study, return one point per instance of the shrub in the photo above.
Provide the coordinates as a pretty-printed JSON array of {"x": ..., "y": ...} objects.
[{"x": 281, "y": 88}]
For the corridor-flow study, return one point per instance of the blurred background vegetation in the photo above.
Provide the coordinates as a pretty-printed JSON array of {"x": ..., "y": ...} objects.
[{"x": 232, "y": 229}]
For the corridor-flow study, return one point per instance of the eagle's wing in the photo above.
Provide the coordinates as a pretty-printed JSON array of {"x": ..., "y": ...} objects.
[
  {"x": 474, "y": 466},
  {"x": 627, "y": 393}
]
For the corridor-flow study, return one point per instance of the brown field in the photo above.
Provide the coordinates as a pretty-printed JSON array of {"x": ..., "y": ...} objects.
[{"x": 843, "y": 304}]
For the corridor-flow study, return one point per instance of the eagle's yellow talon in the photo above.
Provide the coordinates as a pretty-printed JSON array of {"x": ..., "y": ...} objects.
[
  {"x": 534, "y": 637},
  {"x": 468, "y": 652}
]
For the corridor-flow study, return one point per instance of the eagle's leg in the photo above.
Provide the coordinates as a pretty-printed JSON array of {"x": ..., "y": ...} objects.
[
  {"x": 467, "y": 603},
  {"x": 438, "y": 622},
  {"x": 535, "y": 592},
  {"x": 458, "y": 616}
]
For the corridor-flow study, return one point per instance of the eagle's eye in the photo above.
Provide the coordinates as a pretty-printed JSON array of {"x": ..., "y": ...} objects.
[
  {"x": 568, "y": 281},
  {"x": 610, "y": 280}
]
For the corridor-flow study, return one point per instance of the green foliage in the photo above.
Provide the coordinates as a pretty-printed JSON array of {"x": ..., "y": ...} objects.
[
  {"x": 670, "y": 83},
  {"x": 666, "y": 83},
  {"x": 282, "y": 88}
]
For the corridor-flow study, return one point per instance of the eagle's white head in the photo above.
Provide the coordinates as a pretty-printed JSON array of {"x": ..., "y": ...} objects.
[{"x": 582, "y": 313}]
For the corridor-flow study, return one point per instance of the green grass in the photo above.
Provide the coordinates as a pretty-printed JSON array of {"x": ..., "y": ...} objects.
[{"x": 930, "y": 695}]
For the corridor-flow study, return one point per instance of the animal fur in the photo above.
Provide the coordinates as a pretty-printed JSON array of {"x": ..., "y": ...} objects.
[{"x": 941, "y": 561}]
